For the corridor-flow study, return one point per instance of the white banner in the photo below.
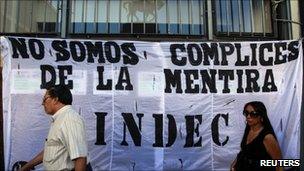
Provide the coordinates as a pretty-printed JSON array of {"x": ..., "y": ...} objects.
[{"x": 150, "y": 105}]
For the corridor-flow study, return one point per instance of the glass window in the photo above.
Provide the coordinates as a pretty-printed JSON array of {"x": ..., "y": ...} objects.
[
  {"x": 262, "y": 16},
  {"x": 150, "y": 16},
  {"x": 1, "y": 15},
  {"x": 196, "y": 17},
  {"x": 235, "y": 18},
  {"x": 29, "y": 16},
  {"x": 114, "y": 16},
  {"x": 247, "y": 18},
  {"x": 267, "y": 9},
  {"x": 184, "y": 13},
  {"x": 138, "y": 16},
  {"x": 222, "y": 15},
  {"x": 173, "y": 17},
  {"x": 51, "y": 14},
  {"x": 78, "y": 24},
  {"x": 90, "y": 16},
  {"x": 10, "y": 22},
  {"x": 25, "y": 16},
  {"x": 283, "y": 12},
  {"x": 126, "y": 17},
  {"x": 137, "y": 12},
  {"x": 218, "y": 11},
  {"x": 72, "y": 16},
  {"x": 243, "y": 16},
  {"x": 258, "y": 16},
  {"x": 102, "y": 11},
  {"x": 228, "y": 15},
  {"x": 161, "y": 14},
  {"x": 2, "y": 5},
  {"x": 40, "y": 18}
]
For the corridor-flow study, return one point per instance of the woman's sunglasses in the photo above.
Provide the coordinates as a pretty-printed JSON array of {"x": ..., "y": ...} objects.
[{"x": 252, "y": 114}]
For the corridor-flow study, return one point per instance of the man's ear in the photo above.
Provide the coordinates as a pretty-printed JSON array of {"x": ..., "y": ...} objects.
[{"x": 56, "y": 100}]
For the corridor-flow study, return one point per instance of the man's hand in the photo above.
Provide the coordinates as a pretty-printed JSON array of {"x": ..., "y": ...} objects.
[
  {"x": 32, "y": 163},
  {"x": 80, "y": 164}
]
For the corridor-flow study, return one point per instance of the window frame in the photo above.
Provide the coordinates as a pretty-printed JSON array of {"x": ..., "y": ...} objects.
[
  {"x": 241, "y": 35},
  {"x": 44, "y": 32},
  {"x": 202, "y": 19}
]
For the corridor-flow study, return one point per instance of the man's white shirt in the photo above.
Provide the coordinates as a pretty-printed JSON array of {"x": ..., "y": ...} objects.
[{"x": 66, "y": 140}]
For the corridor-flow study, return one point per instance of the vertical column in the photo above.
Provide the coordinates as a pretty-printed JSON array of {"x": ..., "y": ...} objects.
[
  {"x": 209, "y": 20},
  {"x": 64, "y": 18},
  {"x": 301, "y": 6},
  {"x": 295, "y": 16},
  {"x": 1, "y": 126},
  {"x": 1, "y": 117}
]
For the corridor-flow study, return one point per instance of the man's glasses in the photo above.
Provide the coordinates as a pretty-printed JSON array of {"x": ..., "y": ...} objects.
[{"x": 252, "y": 114}]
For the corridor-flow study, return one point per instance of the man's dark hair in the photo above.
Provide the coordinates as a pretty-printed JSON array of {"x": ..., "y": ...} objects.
[{"x": 62, "y": 92}]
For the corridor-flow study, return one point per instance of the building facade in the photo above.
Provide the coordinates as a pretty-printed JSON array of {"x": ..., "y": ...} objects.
[{"x": 153, "y": 20}]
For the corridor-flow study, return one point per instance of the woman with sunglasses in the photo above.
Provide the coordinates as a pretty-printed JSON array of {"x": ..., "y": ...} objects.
[{"x": 259, "y": 140}]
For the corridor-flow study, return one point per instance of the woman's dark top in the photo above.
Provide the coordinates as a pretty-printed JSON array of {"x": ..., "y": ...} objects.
[{"x": 250, "y": 155}]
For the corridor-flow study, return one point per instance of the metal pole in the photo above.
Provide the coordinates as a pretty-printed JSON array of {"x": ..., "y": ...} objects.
[
  {"x": 263, "y": 19},
  {"x": 1, "y": 122},
  {"x": 209, "y": 20},
  {"x": 64, "y": 18},
  {"x": 301, "y": 6},
  {"x": 302, "y": 118},
  {"x": 4, "y": 17}
]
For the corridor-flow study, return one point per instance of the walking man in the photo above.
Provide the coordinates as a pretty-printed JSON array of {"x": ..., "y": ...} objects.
[{"x": 65, "y": 147}]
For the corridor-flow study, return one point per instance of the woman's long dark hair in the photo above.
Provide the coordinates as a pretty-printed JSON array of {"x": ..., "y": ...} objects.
[{"x": 260, "y": 108}]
